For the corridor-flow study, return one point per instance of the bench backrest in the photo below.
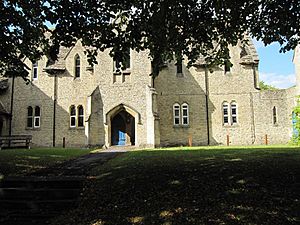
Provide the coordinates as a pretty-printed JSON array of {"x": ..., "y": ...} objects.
[{"x": 16, "y": 137}]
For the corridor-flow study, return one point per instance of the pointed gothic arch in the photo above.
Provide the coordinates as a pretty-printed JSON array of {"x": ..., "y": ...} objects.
[{"x": 121, "y": 123}]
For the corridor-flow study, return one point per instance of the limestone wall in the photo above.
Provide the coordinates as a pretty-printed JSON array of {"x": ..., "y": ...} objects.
[
  {"x": 102, "y": 93},
  {"x": 99, "y": 83}
]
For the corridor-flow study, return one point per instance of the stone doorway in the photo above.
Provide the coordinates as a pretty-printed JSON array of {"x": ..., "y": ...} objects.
[{"x": 123, "y": 129}]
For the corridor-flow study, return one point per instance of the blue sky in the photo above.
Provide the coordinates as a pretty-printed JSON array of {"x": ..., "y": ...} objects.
[{"x": 275, "y": 68}]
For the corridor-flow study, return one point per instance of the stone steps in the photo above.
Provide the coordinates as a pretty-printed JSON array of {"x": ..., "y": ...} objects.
[{"x": 35, "y": 200}]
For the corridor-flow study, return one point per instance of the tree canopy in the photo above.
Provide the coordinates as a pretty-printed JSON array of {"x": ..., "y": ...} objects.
[
  {"x": 167, "y": 28},
  {"x": 264, "y": 86}
]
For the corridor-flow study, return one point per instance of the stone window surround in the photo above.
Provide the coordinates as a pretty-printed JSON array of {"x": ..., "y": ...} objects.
[
  {"x": 176, "y": 114},
  {"x": 234, "y": 113},
  {"x": 80, "y": 118},
  {"x": 75, "y": 115},
  {"x": 275, "y": 116},
  {"x": 77, "y": 67},
  {"x": 185, "y": 114},
  {"x": 35, "y": 70},
  {"x": 230, "y": 115},
  {"x": 34, "y": 115},
  {"x": 180, "y": 115}
]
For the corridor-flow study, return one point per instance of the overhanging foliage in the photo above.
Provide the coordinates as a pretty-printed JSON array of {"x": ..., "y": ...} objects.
[{"x": 164, "y": 27}]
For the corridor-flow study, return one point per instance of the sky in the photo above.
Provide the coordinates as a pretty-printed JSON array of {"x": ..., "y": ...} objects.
[{"x": 275, "y": 68}]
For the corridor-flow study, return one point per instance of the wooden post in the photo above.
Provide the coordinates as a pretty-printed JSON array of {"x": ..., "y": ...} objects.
[
  {"x": 266, "y": 139},
  {"x": 190, "y": 141},
  {"x": 64, "y": 142},
  {"x": 228, "y": 141}
]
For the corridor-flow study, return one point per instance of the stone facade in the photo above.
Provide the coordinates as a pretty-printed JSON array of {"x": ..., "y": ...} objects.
[{"x": 128, "y": 108}]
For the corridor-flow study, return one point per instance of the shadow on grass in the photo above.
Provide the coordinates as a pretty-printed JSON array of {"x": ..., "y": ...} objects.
[
  {"x": 20, "y": 162},
  {"x": 260, "y": 186}
]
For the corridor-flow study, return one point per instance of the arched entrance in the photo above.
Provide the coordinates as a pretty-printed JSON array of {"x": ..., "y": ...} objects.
[{"x": 123, "y": 129}]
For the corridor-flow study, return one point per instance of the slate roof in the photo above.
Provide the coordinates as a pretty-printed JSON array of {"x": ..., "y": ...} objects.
[{"x": 60, "y": 63}]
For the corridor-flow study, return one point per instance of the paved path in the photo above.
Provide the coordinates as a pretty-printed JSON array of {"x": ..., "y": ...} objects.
[{"x": 80, "y": 166}]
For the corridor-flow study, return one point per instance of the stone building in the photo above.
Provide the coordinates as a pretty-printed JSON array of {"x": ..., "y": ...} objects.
[{"x": 104, "y": 105}]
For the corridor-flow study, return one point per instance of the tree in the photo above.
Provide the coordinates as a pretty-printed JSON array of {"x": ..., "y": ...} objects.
[
  {"x": 264, "y": 86},
  {"x": 164, "y": 27}
]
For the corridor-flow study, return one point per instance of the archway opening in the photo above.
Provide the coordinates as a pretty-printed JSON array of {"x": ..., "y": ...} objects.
[{"x": 123, "y": 129}]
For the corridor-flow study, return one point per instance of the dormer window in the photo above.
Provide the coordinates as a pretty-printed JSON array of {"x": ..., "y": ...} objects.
[
  {"x": 35, "y": 70},
  {"x": 77, "y": 66}
]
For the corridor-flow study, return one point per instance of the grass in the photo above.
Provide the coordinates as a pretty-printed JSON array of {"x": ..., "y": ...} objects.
[
  {"x": 213, "y": 186},
  {"x": 14, "y": 162}
]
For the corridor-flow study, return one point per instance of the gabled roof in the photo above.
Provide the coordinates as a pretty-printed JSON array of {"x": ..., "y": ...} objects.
[
  {"x": 248, "y": 54},
  {"x": 60, "y": 63}
]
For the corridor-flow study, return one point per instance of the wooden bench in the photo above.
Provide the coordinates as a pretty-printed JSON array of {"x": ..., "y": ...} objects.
[{"x": 15, "y": 141}]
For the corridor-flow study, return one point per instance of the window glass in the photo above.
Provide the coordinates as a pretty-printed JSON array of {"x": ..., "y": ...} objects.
[
  {"x": 77, "y": 66},
  {"x": 227, "y": 66},
  {"x": 225, "y": 114},
  {"x": 274, "y": 115},
  {"x": 37, "y": 116},
  {"x": 37, "y": 111},
  {"x": 35, "y": 70},
  {"x": 80, "y": 116},
  {"x": 179, "y": 66},
  {"x": 185, "y": 114},
  {"x": 176, "y": 113},
  {"x": 72, "y": 116},
  {"x": 233, "y": 113},
  {"x": 36, "y": 121},
  {"x": 29, "y": 116}
]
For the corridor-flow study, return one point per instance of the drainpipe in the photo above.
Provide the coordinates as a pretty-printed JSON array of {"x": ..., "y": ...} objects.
[
  {"x": 207, "y": 105},
  {"x": 11, "y": 106},
  {"x": 54, "y": 108}
]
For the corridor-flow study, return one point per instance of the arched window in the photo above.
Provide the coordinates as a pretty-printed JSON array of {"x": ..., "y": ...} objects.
[
  {"x": 185, "y": 114},
  {"x": 80, "y": 116},
  {"x": 29, "y": 117},
  {"x": 35, "y": 70},
  {"x": 233, "y": 113},
  {"x": 225, "y": 108},
  {"x": 176, "y": 114},
  {"x": 72, "y": 116},
  {"x": 37, "y": 117},
  {"x": 77, "y": 66},
  {"x": 275, "y": 115}
]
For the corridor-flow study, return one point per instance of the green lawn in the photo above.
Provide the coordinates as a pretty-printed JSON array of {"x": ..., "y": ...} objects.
[
  {"x": 23, "y": 161},
  {"x": 213, "y": 186}
]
